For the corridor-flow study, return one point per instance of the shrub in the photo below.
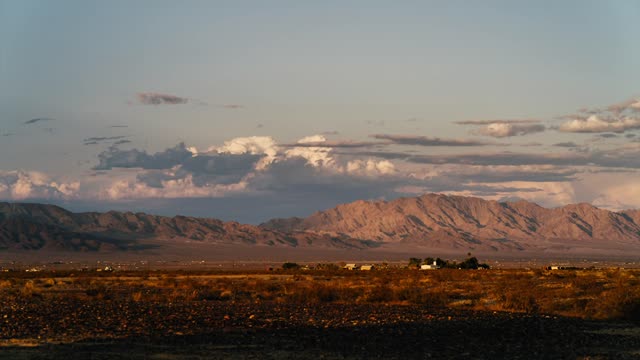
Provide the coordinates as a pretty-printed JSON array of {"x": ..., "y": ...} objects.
[{"x": 290, "y": 266}]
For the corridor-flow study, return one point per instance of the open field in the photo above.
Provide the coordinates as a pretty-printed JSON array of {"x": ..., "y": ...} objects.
[{"x": 396, "y": 313}]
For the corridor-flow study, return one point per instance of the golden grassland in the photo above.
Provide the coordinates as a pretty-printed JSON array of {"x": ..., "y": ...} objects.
[{"x": 588, "y": 294}]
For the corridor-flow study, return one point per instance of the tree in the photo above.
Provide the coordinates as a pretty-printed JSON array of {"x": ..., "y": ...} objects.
[
  {"x": 415, "y": 262},
  {"x": 470, "y": 263},
  {"x": 290, "y": 266}
]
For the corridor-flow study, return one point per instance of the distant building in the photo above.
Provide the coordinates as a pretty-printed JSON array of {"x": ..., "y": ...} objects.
[
  {"x": 433, "y": 266},
  {"x": 351, "y": 267},
  {"x": 366, "y": 267}
]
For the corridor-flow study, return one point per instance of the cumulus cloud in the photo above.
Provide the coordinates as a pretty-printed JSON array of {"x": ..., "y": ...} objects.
[
  {"x": 117, "y": 158},
  {"x": 250, "y": 164},
  {"x": 615, "y": 118},
  {"x": 255, "y": 145},
  {"x": 596, "y": 124},
  {"x": 21, "y": 185},
  {"x": 150, "y": 98},
  {"x": 427, "y": 141},
  {"x": 315, "y": 155}
]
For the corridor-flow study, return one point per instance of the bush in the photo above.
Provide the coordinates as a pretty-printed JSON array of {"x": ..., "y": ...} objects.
[{"x": 290, "y": 266}]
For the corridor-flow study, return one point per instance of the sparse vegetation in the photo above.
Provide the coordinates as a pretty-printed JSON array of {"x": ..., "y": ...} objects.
[
  {"x": 592, "y": 294},
  {"x": 69, "y": 307}
]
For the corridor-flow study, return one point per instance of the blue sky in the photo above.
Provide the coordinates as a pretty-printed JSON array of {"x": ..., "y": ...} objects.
[{"x": 381, "y": 88}]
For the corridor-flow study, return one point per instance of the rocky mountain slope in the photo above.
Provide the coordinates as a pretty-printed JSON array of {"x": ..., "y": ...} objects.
[
  {"x": 456, "y": 222},
  {"x": 38, "y": 226}
]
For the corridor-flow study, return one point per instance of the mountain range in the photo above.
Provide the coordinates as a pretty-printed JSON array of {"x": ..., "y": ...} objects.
[
  {"x": 456, "y": 222},
  {"x": 431, "y": 221},
  {"x": 40, "y": 226}
]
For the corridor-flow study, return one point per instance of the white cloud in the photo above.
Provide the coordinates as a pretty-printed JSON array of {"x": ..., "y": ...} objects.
[
  {"x": 174, "y": 188},
  {"x": 595, "y": 124},
  {"x": 370, "y": 167},
  {"x": 21, "y": 185},
  {"x": 315, "y": 156},
  {"x": 506, "y": 129},
  {"x": 255, "y": 145}
]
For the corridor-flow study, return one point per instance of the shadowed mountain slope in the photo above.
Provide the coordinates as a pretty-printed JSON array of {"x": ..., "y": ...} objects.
[{"x": 38, "y": 226}]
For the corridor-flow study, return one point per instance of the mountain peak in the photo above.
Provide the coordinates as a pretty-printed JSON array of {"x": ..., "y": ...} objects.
[{"x": 459, "y": 222}]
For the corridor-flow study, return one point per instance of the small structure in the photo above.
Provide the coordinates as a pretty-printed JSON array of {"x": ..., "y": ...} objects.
[
  {"x": 433, "y": 266},
  {"x": 351, "y": 267},
  {"x": 366, "y": 267},
  {"x": 555, "y": 267}
]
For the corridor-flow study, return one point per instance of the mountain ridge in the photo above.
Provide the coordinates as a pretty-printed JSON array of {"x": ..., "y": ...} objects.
[
  {"x": 456, "y": 222},
  {"x": 42, "y": 226}
]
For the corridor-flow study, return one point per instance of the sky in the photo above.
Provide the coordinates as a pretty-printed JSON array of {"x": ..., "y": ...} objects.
[{"x": 250, "y": 110}]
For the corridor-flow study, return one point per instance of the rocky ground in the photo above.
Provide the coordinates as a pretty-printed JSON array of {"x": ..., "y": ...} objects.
[{"x": 122, "y": 328}]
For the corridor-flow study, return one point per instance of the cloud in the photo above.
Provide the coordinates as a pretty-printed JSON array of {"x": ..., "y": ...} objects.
[
  {"x": 21, "y": 185},
  {"x": 336, "y": 144},
  {"x": 233, "y": 106},
  {"x": 503, "y": 121},
  {"x": 615, "y": 118},
  {"x": 428, "y": 141},
  {"x": 116, "y": 158},
  {"x": 256, "y": 145},
  {"x": 170, "y": 188},
  {"x": 239, "y": 165},
  {"x": 100, "y": 139},
  {"x": 37, "y": 120},
  {"x": 607, "y": 136},
  {"x": 596, "y": 123},
  {"x": 505, "y": 128},
  {"x": 531, "y": 144},
  {"x": 150, "y": 98},
  {"x": 500, "y": 130},
  {"x": 568, "y": 144},
  {"x": 121, "y": 142},
  {"x": 631, "y": 104},
  {"x": 119, "y": 126}
]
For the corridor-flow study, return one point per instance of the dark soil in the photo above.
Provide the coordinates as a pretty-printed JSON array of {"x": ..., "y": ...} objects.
[{"x": 71, "y": 328}]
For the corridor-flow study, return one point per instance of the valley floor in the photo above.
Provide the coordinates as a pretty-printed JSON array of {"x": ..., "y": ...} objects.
[{"x": 314, "y": 315}]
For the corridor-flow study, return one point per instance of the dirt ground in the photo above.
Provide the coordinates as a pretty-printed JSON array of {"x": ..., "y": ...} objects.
[
  {"x": 216, "y": 330},
  {"x": 268, "y": 316}
]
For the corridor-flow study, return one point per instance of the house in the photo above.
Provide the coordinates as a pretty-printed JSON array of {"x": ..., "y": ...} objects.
[
  {"x": 433, "y": 266},
  {"x": 366, "y": 267},
  {"x": 351, "y": 267}
]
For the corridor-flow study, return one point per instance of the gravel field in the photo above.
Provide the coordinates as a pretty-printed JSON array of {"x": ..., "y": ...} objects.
[{"x": 75, "y": 329}]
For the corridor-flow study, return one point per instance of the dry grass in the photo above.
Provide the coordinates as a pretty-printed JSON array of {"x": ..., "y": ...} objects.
[{"x": 594, "y": 294}]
